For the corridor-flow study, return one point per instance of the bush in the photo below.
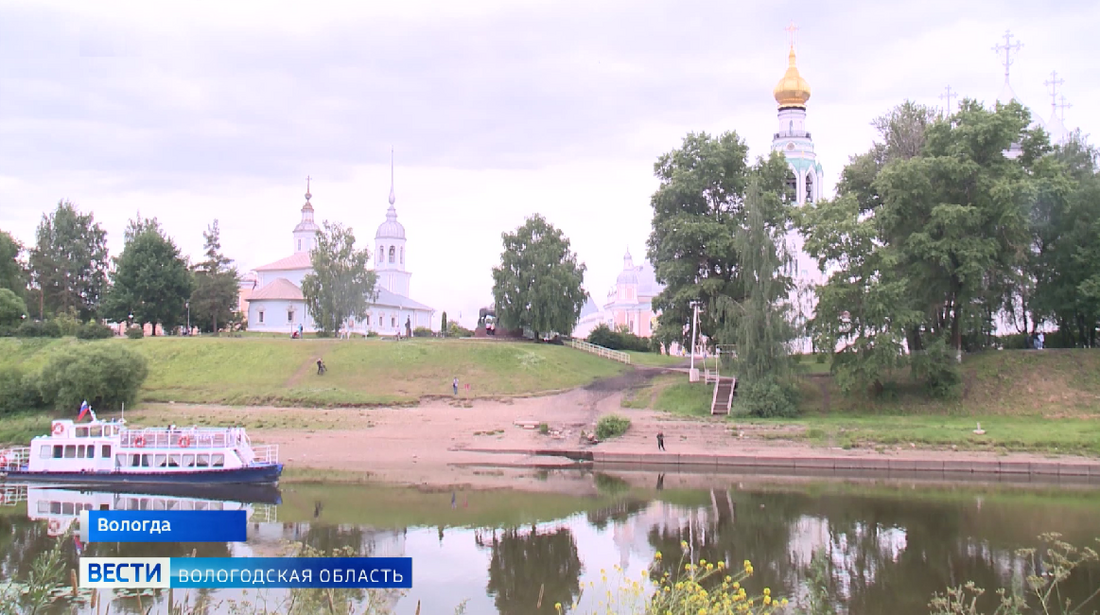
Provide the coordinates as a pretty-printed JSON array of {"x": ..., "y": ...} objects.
[
  {"x": 937, "y": 369},
  {"x": 104, "y": 374},
  {"x": 12, "y": 308},
  {"x": 602, "y": 335},
  {"x": 67, "y": 324},
  {"x": 94, "y": 331},
  {"x": 422, "y": 332},
  {"x": 135, "y": 332},
  {"x": 17, "y": 392},
  {"x": 611, "y": 426},
  {"x": 38, "y": 328},
  {"x": 769, "y": 398}
]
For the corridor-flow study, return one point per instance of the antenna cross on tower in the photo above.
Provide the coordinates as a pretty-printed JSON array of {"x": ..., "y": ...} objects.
[
  {"x": 1008, "y": 47},
  {"x": 791, "y": 29},
  {"x": 948, "y": 95},
  {"x": 1063, "y": 106},
  {"x": 1054, "y": 82},
  {"x": 308, "y": 195}
]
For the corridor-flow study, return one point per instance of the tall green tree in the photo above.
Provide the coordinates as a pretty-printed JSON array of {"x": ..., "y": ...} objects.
[
  {"x": 13, "y": 273},
  {"x": 69, "y": 262},
  {"x": 698, "y": 210},
  {"x": 340, "y": 287},
  {"x": 538, "y": 283},
  {"x": 217, "y": 285},
  {"x": 762, "y": 320},
  {"x": 12, "y": 308},
  {"x": 151, "y": 280},
  {"x": 1065, "y": 258}
]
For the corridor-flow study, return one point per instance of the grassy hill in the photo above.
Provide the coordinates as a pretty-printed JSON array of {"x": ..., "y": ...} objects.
[
  {"x": 246, "y": 371},
  {"x": 1025, "y": 400}
]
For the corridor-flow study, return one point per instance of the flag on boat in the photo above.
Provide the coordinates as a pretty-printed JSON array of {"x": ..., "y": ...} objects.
[{"x": 84, "y": 408}]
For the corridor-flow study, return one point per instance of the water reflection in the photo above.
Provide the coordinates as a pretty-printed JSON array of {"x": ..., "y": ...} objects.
[{"x": 888, "y": 547}]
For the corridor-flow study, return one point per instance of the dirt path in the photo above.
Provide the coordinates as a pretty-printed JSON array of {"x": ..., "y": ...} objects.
[{"x": 310, "y": 367}]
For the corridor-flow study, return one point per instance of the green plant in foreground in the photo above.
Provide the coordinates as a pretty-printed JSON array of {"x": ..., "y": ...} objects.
[
  {"x": 1048, "y": 569},
  {"x": 611, "y": 426},
  {"x": 686, "y": 593}
]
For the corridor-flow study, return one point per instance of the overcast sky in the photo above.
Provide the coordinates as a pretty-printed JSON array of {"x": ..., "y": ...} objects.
[{"x": 496, "y": 110}]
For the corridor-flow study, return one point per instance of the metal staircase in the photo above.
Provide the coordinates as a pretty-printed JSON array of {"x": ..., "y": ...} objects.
[{"x": 724, "y": 390}]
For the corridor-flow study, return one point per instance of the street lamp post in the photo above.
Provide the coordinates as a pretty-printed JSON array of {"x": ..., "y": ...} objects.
[
  {"x": 188, "y": 304},
  {"x": 694, "y": 332}
]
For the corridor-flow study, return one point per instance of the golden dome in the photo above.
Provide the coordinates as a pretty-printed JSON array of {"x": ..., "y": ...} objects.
[{"x": 792, "y": 90}]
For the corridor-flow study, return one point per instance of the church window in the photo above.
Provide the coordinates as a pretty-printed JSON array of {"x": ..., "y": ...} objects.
[
  {"x": 810, "y": 188},
  {"x": 393, "y": 321},
  {"x": 290, "y": 315},
  {"x": 790, "y": 127},
  {"x": 261, "y": 317},
  {"x": 366, "y": 320},
  {"x": 402, "y": 255},
  {"x": 299, "y": 245},
  {"x": 381, "y": 254},
  {"x": 393, "y": 254},
  {"x": 792, "y": 187}
]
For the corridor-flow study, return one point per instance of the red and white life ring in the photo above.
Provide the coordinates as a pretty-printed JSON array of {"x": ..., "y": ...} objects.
[
  {"x": 139, "y": 442},
  {"x": 58, "y": 429},
  {"x": 184, "y": 442},
  {"x": 55, "y": 525},
  {"x": 3, "y": 461}
]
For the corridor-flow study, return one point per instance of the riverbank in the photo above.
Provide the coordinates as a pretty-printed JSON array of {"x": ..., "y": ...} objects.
[{"x": 448, "y": 441}]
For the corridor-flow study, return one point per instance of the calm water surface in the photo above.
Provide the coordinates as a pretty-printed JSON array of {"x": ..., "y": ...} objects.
[{"x": 891, "y": 544}]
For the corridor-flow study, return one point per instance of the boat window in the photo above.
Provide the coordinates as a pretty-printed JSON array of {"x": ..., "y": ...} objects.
[
  {"x": 80, "y": 451},
  {"x": 159, "y": 505},
  {"x": 43, "y": 506},
  {"x": 57, "y": 451},
  {"x": 55, "y": 508},
  {"x": 96, "y": 431},
  {"x": 188, "y": 461},
  {"x": 44, "y": 451},
  {"x": 219, "y": 461},
  {"x": 173, "y": 461},
  {"x": 202, "y": 461},
  {"x": 145, "y": 461},
  {"x": 106, "y": 451},
  {"x": 159, "y": 461},
  {"x": 135, "y": 460},
  {"x": 82, "y": 432},
  {"x": 70, "y": 451},
  {"x": 67, "y": 508},
  {"x": 145, "y": 502},
  {"x": 119, "y": 461}
]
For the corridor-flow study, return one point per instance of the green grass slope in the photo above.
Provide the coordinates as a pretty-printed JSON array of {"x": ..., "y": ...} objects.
[{"x": 244, "y": 371}]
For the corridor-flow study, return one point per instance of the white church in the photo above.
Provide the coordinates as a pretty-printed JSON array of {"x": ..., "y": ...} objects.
[{"x": 274, "y": 291}]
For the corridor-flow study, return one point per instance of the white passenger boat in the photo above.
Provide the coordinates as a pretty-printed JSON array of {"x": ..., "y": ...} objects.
[{"x": 110, "y": 453}]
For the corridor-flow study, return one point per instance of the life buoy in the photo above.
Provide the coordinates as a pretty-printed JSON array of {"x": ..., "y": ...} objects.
[
  {"x": 184, "y": 442},
  {"x": 3, "y": 461},
  {"x": 139, "y": 442},
  {"x": 58, "y": 429},
  {"x": 55, "y": 525}
]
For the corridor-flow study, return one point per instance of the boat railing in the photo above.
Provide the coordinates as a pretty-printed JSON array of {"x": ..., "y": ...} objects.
[
  {"x": 193, "y": 437},
  {"x": 14, "y": 458},
  {"x": 10, "y": 495},
  {"x": 265, "y": 453}
]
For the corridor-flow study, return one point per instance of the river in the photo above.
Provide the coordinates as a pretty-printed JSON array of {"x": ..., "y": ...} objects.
[{"x": 891, "y": 544}]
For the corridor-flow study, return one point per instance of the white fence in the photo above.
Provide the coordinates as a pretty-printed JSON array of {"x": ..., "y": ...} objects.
[{"x": 600, "y": 351}]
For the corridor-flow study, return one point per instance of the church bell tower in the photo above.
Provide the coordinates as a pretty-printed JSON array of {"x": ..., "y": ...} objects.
[{"x": 791, "y": 137}]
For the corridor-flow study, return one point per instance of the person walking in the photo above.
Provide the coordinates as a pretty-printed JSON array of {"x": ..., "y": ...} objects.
[
  {"x": 455, "y": 385},
  {"x": 660, "y": 441}
]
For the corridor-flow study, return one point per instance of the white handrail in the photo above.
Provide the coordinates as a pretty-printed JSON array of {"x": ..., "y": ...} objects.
[{"x": 607, "y": 353}]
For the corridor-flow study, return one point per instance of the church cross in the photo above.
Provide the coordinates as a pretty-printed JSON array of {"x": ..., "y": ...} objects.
[
  {"x": 308, "y": 195},
  {"x": 1063, "y": 106},
  {"x": 791, "y": 29},
  {"x": 948, "y": 95},
  {"x": 1054, "y": 82},
  {"x": 1008, "y": 47}
]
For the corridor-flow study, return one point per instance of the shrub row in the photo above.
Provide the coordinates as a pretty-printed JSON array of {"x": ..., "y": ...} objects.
[
  {"x": 58, "y": 328},
  {"x": 602, "y": 335},
  {"x": 106, "y": 375}
]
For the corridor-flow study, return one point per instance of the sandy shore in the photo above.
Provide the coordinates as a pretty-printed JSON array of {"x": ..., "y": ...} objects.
[{"x": 472, "y": 442}]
